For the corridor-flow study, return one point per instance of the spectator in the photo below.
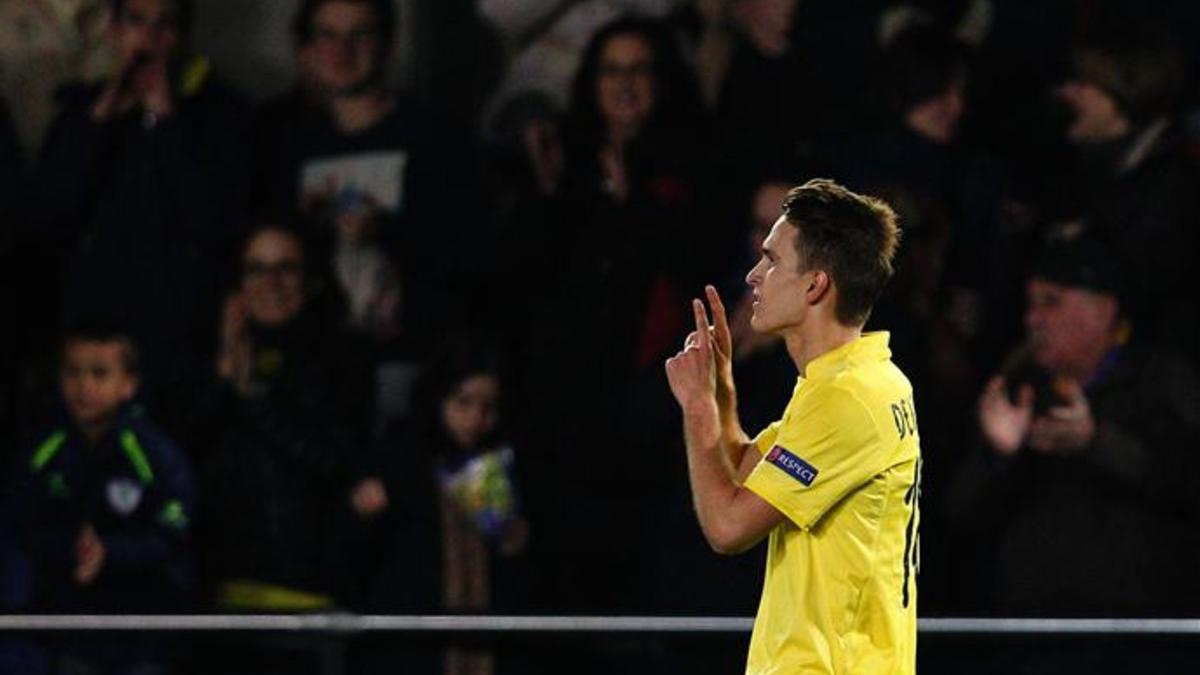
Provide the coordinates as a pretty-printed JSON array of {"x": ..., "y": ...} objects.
[
  {"x": 139, "y": 180},
  {"x": 387, "y": 183},
  {"x": 758, "y": 85},
  {"x": 102, "y": 503},
  {"x": 44, "y": 45},
  {"x": 447, "y": 491},
  {"x": 278, "y": 435},
  {"x": 617, "y": 224},
  {"x": 1085, "y": 474},
  {"x": 1139, "y": 188},
  {"x": 546, "y": 40}
]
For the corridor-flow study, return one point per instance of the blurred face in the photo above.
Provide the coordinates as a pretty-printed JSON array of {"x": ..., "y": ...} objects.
[
  {"x": 1096, "y": 117},
  {"x": 345, "y": 52},
  {"x": 1068, "y": 326},
  {"x": 273, "y": 278},
  {"x": 95, "y": 381},
  {"x": 149, "y": 27},
  {"x": 779, "y": 284},
  {"x": 470, "y": 412},
  {"x": 764, "y": 211},
  {"x": 625, "y": 86},
  {"x": 937, "y": 119}
]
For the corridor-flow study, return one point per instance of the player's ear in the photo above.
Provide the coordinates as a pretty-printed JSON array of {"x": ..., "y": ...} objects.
[{"x": 818, "y": 285}]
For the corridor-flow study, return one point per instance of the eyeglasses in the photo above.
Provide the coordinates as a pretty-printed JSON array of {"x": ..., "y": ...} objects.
[
  {"x": 355, "y": 37},
  {"x": 257, "y": 269},
  {"x": 639, "y": 69}
]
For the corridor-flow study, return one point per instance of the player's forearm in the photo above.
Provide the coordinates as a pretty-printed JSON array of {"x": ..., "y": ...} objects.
[
  {"x": 713, "y": 485},
  {"x": 733, "y": 436}
]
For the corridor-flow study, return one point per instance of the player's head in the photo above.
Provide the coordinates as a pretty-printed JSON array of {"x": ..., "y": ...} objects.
[
  {"x": 1074, "y": 313},
  {"x": 830, "y": 253},
  {"x": 98, "y": 372},
  {"x": 345, "y": 43}
]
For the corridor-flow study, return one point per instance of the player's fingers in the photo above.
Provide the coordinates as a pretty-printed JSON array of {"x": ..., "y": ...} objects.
[
  {"x": 720, "y": 321},
  {"x": 701, "y": 323}
]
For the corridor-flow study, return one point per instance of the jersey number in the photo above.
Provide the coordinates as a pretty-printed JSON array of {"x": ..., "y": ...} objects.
[{"x": 912, "y": 535}]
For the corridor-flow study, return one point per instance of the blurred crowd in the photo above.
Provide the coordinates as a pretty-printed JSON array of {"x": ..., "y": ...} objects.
[{"x": 357, "y": 347}]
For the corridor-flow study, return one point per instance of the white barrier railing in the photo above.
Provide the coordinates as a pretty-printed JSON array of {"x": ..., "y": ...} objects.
[{"x": 355, "y": 623}]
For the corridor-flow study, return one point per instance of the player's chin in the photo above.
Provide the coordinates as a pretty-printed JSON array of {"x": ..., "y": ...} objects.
[{"x": 757, "y": 322}]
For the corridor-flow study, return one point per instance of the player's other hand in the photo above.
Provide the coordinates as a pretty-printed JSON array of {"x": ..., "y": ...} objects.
[
  {"x": 1005, "y": 424},
  {"x": 692, "y": 372}
]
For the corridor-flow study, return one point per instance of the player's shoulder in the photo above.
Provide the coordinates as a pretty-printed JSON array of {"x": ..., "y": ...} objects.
[{"x": 838, "y": 403}]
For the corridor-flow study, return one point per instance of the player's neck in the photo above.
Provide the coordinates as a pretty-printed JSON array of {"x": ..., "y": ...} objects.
[{"x": 813, "y": 339}]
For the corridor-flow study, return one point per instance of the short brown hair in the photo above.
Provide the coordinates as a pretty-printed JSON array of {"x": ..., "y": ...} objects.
[
  {"x": 97, "y": 330},
  {"x": 851, "y": 237}
]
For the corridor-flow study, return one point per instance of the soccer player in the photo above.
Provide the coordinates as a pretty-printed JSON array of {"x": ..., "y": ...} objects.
[{"x": 834, "y": 483}]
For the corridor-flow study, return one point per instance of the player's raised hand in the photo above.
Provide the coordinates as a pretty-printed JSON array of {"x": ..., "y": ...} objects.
[
  {"x": 1005, "y": 424},
  {"x": 692, "y": 372},
  {"x": 722, "y": 343}
]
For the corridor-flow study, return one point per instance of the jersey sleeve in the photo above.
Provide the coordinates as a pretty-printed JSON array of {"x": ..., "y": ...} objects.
[
  {"x": 828, "y": 447},
  {"x": 766, "y": 438}
]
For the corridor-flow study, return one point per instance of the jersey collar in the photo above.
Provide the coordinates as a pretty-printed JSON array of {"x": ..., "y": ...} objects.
[{"x": 869, "y": 348}]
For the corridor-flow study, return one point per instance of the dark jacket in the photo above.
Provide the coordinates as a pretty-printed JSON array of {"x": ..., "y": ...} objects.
[
  {"x": 277, "y": 462},
  {"x": 1147, "y": 211},
  {"x": 144, "y": 213},
  {"x": 1109, "y": 531},
  {"x": 135, "y": 488}
]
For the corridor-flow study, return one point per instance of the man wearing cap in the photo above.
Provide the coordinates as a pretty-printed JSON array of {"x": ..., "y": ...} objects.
[{"x": 1085, "y": 477}]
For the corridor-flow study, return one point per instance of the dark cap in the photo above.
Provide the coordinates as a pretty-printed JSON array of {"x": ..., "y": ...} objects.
[{"x": 1082, "y": 262}]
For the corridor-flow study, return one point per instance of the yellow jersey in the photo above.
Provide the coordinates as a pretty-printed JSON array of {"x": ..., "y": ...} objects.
[{"x": 843, "y": 467}]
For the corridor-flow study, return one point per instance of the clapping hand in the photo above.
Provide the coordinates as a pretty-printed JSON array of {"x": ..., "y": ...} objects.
[
  {"x": 1005, "y": 424},
  {"x": 1065, "y": 428}
]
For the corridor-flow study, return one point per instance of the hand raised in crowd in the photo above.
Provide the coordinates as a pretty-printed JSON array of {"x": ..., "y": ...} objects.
[
  {"x": 89, "y": 555},
  {"x": 357, "y": 221},
  {"x": 144, "y": 80},
  {"x": 543, "y": 147},
  {"x": 154, "y": 84},
  {"x": 1065, "y": 428},
  {"x": 369, "y": 497},
  {"x": 1005, "y": 424},
  {"x": 692, "y": 373},
  {"x": 235, "y": 358}
]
